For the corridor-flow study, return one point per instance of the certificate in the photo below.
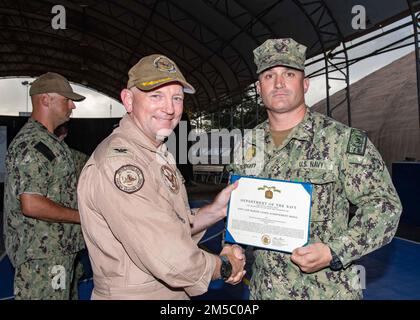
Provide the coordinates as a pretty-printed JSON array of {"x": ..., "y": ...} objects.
[{"x": 267, "y": 213}]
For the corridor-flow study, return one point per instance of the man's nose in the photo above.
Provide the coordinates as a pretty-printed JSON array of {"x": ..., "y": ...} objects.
[
  {"x": 168, "y": 106},
  {"x": 279, "y": 81},
  {"x": 72, "y": 105}
]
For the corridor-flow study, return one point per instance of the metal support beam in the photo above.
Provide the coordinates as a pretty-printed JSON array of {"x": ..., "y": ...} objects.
[{"x": 327, "y": 30}]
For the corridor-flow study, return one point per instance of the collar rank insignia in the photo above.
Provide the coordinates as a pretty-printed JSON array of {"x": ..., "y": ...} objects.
[
  {"x": 121, "y": 150},
  {"x": 129, "y": 178}
]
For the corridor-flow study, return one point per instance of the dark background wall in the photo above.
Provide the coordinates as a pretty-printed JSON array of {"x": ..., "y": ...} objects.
[{"x": 84, "y": 134}]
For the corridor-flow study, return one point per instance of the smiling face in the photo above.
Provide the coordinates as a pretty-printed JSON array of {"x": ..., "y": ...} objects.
[
  {"x": 282, "y": 89},
  {"x": 156, "y": 112}
]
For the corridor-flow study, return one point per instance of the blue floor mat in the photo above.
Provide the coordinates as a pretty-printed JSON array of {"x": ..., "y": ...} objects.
[
  {"x": 392, "y": 273},
  {"x": 6, "y": 278}
]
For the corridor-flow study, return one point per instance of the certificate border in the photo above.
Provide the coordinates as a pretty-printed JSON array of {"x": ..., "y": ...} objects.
[{"x": 306, "y": 185}]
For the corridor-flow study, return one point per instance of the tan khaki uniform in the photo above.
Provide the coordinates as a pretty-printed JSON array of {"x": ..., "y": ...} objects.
[{"x": 136, "y": 222}]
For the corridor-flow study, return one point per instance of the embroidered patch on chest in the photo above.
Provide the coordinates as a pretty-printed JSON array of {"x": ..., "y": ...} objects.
[
  {"x": 129, "y": 178},
  {"x": 250, "y": 153},
  {"x": 169, "y": 178}
]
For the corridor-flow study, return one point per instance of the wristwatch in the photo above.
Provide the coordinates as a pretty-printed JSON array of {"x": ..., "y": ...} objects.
[
  {"x": 335, "y": 263},
  {"x": 226, "y": 268}
]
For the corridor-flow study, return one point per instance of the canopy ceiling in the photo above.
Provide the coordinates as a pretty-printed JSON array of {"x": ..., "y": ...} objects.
[{"x": 210, "y": 40}]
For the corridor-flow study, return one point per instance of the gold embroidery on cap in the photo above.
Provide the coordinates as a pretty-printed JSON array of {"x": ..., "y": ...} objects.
[{"x": 151, "y": 83}]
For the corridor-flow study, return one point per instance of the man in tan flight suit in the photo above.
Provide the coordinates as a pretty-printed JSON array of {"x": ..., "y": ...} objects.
[{"x": 140, "y": 232}]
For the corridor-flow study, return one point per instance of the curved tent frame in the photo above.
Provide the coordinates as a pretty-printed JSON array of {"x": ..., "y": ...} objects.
[{"x": 210, "y": 40}]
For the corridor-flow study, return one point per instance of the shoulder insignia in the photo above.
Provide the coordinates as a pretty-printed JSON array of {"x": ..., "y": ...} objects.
[
  {"x": 129, "y": 178},
  {"x": 45, "y": 151},
  {"x": 357, "y": 142}
]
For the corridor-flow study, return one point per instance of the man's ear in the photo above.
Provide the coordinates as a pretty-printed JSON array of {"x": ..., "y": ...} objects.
[
  {"x": 45, "y": 100},
  {"x": 305, "y": 85},
  {"x": 127, "y": 99},
  {"x": 258, "y": 87}
]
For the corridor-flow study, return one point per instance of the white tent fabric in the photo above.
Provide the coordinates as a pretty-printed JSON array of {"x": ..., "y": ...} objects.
[{"x": 384, "y": 104}]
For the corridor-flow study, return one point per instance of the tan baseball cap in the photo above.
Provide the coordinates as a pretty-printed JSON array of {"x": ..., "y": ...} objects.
[
  {"x": 51, "y": 82},
  {"x": 155, "y": 70}
]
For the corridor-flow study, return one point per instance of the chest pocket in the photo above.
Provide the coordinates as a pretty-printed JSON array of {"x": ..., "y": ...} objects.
[
  {"x": 322, "y": 202},
  {"x": 63, "y": 184},
  {"x": 322, "y": 193},
  {"x": 175, "y": 204}
]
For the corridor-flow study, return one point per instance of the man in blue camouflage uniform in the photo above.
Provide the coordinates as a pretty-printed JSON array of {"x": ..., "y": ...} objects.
[
  {"x": 42, "y": 231},
  {"x": 344, "y": 167}
]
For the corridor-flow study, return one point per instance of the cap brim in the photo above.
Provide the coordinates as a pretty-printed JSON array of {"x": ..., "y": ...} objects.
[
  {"x": 73, "y": 96},
  {"x": 280, "y": 64},
  {"x": 186, "y": 86}
]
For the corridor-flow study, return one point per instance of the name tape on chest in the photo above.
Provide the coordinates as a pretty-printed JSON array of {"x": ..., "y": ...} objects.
[{"x": 315, "y": 164}]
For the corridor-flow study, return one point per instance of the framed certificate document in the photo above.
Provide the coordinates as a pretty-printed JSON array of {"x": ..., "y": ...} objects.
[{"x": 267, "y": 213}]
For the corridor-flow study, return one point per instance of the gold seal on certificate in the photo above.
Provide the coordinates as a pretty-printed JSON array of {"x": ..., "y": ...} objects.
[
  {"x": 268, "y": 213},
  {"x": 266, "y": 240}
]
